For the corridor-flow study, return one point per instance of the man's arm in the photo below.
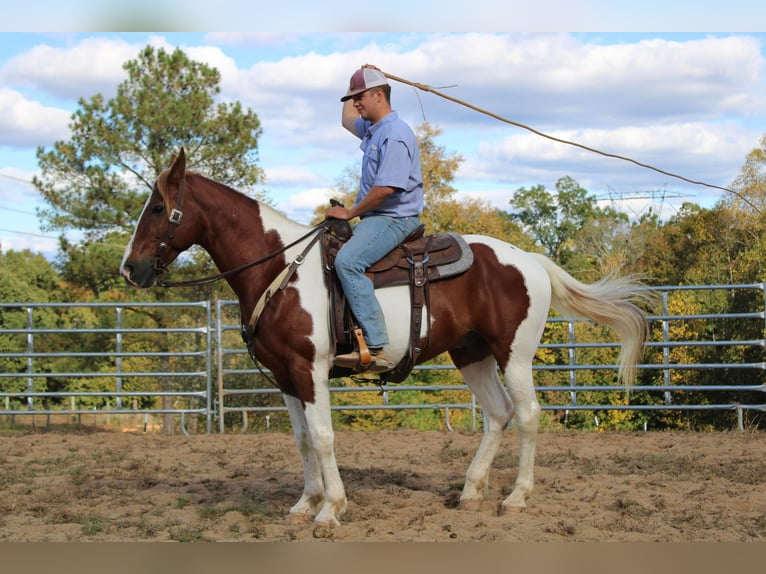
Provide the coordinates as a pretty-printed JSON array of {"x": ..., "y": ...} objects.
[
  {"x": 375, "y": 198},
  {"x": 349, "y": 115}
]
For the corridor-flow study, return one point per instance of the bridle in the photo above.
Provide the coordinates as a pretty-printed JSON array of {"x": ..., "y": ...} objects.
[{"x": 174, "y": 220}]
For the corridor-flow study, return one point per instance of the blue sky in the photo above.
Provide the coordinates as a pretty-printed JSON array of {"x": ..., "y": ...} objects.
[{"x": 689, "y": 103}]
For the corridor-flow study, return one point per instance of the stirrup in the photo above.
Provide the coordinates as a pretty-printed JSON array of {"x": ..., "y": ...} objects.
[{"x": 365, "y": 357}]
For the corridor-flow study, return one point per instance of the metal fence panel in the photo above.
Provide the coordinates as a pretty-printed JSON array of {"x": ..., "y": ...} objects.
[
  {"x": 86, "y": 358},
  {"x": 96, "y": 357}
]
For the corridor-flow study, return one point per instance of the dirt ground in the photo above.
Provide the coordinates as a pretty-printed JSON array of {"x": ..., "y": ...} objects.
[{"x": 401, "y": 485}]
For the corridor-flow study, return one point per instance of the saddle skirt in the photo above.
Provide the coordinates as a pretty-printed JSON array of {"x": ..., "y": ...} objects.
[
  {"x": 444, "y": 254},
  {"x": 419, "y": 260}
]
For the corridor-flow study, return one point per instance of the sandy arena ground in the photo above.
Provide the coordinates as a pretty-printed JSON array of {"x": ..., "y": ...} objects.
[{"x": 401, "y": 485}]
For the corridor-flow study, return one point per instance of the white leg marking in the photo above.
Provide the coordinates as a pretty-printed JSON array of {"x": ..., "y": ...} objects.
[
  {"x": 484, "y": 381},
  {"x": 313, "y": 486},
  {"x": 518, "y": 378},
  {"x": 324, "y": 496}
]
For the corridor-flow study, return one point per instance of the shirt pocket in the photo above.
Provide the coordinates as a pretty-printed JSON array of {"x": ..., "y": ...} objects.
[{"x": 371, "y": 162}]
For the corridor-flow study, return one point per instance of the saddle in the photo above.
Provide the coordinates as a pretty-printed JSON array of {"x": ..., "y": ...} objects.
[{"x": 418, "y": 261}]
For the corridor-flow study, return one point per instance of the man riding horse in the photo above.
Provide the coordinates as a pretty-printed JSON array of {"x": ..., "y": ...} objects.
[{"x": 389, "y": 202}]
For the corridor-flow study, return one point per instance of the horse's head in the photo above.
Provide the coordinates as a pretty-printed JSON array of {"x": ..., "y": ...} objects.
[{"x": 159, "y": 236}]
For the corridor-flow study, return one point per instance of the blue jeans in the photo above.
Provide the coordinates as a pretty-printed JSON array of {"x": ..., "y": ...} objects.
[{"x": 373, "y": 237}]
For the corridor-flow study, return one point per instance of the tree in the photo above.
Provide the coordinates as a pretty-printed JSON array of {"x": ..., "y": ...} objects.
[
  {"x": 750, "y": 224},
  {"x": 751, "y": 182},
  {"x": 437, "y": 166},
  {"x": 30, "y": 278},
  {"x": 27, "y": 277},
  {"x": 555, "y": 221},
  {"x": 90, "y": 265},
  {"x": 98, "y": 180}
]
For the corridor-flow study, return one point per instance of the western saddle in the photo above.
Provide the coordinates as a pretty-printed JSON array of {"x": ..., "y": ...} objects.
[{"x": 418, "y": 261}]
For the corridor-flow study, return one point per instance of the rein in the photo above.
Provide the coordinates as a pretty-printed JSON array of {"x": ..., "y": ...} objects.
[
  {"x": 213, "y": 278},
  {"x": 175, "y": 219}
]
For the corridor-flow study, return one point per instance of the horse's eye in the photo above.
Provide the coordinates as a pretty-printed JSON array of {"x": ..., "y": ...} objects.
[{"x": 158, "y": 209}]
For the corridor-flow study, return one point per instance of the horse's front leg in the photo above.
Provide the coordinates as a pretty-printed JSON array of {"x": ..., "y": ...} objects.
[
  {"x": 323, "y": 490},
  {"x": 312, "y": 498},
  {"x": 323, "y": 440}
]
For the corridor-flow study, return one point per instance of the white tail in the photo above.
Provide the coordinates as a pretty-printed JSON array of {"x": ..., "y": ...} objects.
[{"x": 609, "y": 301}]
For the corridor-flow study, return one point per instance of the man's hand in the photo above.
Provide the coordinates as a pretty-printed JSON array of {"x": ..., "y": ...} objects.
[{"x": 338, "y": 212}]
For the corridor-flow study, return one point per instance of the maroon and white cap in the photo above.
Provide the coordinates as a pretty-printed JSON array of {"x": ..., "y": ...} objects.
[{"x": 362, "y": 80}]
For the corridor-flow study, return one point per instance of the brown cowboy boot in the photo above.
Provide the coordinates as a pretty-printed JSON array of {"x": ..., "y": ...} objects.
[{"x": 378, "y": 361}]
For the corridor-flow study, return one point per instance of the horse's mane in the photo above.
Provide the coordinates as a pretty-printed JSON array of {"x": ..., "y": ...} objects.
[
  {"x": 162, "y": 187},
  {"x": 220, "y": 185},
  {"x": 262, "y": 205}
]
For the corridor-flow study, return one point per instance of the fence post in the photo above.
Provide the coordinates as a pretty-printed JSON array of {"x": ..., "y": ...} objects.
[
  {"x": 30, "y": 359},
  {"x": 219, "y": 362},
  {"x": 208, "y": 368},
  {"x": 666, "y": 348},
  {"x": 572, "y": 363},
  {"x": 118, "y": 357}
]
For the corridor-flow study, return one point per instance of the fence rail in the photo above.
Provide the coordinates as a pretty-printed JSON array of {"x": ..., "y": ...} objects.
[
  {"x": 34, "y": 335},
  {"x": 201, "y": 367}
]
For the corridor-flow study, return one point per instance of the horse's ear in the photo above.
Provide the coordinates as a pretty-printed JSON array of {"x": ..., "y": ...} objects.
[{"x": 177, "y": 167}]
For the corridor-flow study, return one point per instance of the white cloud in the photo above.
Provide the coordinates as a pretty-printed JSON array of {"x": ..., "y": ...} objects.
[
  {"x": 300, "y": 206},
  {"x": 550, "y": 81},
  {"x": 16, "y": 184},
  {"x": 46, "y": 245},
  {"x": 704, "y": 153},
  {"x": 90, "y": 66},
  {"x": 291, "y": 175},
  {"x": 27, "y": 123},
  {"x": 559, "y": 80}
]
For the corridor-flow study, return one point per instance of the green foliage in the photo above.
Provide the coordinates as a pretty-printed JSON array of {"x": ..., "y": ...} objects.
[
  {"x": 554, "y": 221},
  {"x": 97, "y": 181}
]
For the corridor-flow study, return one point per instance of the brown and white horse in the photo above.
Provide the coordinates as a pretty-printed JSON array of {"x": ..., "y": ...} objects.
[{"x": 491, "y": 316}]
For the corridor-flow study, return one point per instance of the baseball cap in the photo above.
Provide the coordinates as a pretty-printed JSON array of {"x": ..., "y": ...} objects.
[{"x": 364, "y": 79}]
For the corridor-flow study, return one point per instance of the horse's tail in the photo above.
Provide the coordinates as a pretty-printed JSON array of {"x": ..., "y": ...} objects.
[{"x": 609, "y": 301}]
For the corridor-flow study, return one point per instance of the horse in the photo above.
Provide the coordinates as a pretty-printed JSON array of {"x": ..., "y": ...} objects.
[{"x": 489, "y": 318}]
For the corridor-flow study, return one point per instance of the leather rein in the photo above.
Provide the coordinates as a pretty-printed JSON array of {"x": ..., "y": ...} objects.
[{"x": 175, "y": 219}]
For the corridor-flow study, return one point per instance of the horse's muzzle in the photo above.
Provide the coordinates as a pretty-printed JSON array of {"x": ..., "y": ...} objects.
[{"x": 139, "y": 276}]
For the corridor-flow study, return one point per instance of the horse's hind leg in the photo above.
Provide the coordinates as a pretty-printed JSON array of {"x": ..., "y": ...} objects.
[
  {"x": 518, "y": 378},
  {"x": 483, "y": 379}
]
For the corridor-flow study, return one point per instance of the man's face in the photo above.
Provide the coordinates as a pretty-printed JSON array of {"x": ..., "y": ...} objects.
[{"x": 369, "y": 104}]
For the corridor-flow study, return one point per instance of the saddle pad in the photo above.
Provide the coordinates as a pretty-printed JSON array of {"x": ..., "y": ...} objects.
[{"x": 448, "y": 255}]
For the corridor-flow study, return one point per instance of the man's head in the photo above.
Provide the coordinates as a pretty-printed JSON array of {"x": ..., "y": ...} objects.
[
  {"x": 371, "y": 94},
  {"x": 365, "y": 79}
]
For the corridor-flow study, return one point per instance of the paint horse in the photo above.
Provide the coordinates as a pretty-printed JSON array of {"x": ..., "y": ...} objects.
[{"x": 490, "y": 317}]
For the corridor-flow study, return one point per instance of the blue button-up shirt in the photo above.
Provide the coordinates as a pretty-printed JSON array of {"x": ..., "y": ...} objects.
[{"x": 391, "y": 159}]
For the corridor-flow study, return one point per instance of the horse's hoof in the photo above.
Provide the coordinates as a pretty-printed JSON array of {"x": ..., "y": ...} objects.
[
  {"x": 470, "y": 504},
  {"x": 298, "y": 520},
  {"x": 324, "y": 530}
]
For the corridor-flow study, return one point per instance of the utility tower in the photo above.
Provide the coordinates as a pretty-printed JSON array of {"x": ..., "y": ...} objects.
[{"x": 640, "y": 202}]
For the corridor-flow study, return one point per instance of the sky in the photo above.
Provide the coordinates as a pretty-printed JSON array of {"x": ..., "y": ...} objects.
[{"x": 690, "y": 103}]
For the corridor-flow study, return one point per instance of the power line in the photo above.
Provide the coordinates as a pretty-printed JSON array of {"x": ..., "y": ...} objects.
[
  {"x": 29, "y": 233},
  {"x": 14, "y": 178},
  {"x": 17, "y": 210}
]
